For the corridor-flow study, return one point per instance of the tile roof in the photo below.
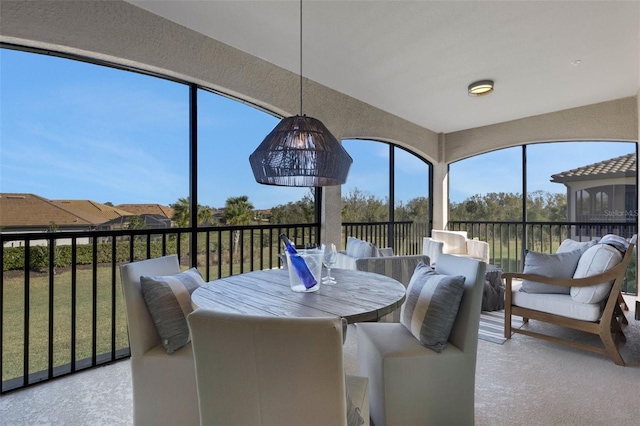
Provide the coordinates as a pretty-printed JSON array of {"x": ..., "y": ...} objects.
[
  {"x": 140, "y": 209},
  {"x": 91, "y": 211},
  {"x": 623, "y": 166},
  {"x": 33, "y": 210}
]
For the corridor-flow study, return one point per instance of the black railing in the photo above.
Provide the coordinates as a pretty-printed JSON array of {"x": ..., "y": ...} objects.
[
  {"x": 61, "y": 303},
  {"x": 61, "y": 306},
  {"x": 509, "y": 240},
  {"x": 404, "y": 237}
]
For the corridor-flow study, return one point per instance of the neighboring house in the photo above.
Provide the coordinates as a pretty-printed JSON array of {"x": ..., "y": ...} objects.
[
  {"x": 32, "y": 213},
  {"x": 155, "y": 216},
  {"x": 602, "y": 192},
  {"x": 96, "y": 213}
]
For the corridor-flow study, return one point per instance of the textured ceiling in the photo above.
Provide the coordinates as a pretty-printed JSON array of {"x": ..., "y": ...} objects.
[{"x": 415, "y": 59}]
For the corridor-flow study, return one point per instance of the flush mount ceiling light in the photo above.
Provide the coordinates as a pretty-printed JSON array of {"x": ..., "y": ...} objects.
[
  {"x": 482, "y": 87},
  {"x": 300, "y": 151}
]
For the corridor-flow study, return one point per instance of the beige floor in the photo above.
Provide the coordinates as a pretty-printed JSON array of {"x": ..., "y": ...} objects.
[{"x": 525, "y": 381}]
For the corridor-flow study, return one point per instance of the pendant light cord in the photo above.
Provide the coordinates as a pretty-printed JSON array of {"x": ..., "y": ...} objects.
[{"x": 300, "y": 57}]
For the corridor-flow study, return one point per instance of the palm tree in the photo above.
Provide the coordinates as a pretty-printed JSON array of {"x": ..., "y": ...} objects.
[
  {"x": 181, "y": 212},
  {"x": 238, "y": 211}
]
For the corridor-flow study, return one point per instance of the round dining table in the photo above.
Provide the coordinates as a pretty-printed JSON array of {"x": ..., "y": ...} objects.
[{"x": 357, "y": 296}]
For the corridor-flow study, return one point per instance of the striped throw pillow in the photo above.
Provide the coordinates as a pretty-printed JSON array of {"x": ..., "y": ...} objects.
[
  {"x": 431, "y": 306},
  {"x": 168, "y": 299},
  {"x": 358, "y": 248}
]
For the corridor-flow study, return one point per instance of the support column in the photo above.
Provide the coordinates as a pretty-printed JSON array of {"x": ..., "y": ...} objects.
[
  {"x": 331, "y": 215},
  {"x": 440, "y": 187}
]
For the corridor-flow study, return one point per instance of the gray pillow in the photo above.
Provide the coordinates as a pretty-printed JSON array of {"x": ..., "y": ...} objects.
[
  {"x": 572, "y": 245},
  {"x": 559, "y": 265},
  {"x": 168, "y": 299},
  {"x": 431, "y": 306},
  {"x": 358, "y": 248}
]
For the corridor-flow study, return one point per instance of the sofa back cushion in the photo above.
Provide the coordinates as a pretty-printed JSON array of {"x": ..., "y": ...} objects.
[
  {"x": 358, "y": 248},
  {"x": 595, "y": 260},
  {"x": 572, "y": 245},
  {"x": 559, "y": 265}
]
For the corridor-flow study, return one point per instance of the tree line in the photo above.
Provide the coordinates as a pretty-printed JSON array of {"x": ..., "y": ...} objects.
[{"x": 360, "y": 206}]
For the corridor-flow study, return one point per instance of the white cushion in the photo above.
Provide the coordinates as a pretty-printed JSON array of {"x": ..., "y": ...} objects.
[
  {"x": 455, "y": 242},
  {"x": 358, "y": 248},
  {"x": 594, "y": 261},
  {"x": 559, "y": 304}
]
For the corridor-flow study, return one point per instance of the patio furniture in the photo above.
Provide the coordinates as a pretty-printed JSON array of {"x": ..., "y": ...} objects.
[
  {"x": 587, "y": 301},
  {"x": 164, "y": 386},
  {"x": 254, "y": 370},
  {"x": 412, "y": 384},
  {"x": 454, "y": 242},
  {"x": 356, "y": 249},
  {"x": 357, "y": 295}
]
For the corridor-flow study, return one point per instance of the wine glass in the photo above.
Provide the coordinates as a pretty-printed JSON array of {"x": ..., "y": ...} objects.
[{"x": 329, "y": 259}]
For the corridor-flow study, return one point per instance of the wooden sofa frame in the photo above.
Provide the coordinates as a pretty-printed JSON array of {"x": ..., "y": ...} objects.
[{"x": 608, "y": 328}]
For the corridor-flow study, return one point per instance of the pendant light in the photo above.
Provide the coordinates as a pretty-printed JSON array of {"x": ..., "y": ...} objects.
[{"x": 300, "y": 151}]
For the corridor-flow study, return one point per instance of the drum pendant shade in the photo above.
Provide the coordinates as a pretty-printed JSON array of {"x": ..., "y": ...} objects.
[{"x": 300, "y": 151}]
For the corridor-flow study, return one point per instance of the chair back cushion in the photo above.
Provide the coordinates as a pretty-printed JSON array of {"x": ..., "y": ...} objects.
[
  {"x": 358, "y": 248},
  {"x": 268, "y": 370},
  {"x": 464, "y": 333},
  {"x": 573, "y": 245},
  {"x": 168, "y": 299},
  {"x": 455, "y": 242},
  {"x": 142, "y": 331},
  {"x": 559, "y": 265},
  {"x": 432, "y": 248},
  {"x": 431, "y": 306},
  {"x": 596, "y": 260}
]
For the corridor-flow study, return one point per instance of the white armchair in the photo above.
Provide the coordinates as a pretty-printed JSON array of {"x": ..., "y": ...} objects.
[
  {"x": 454, "y": 242},
  {"x": 164, "y": 386},
  {"x": 255, "y": 370},
  {"x": 411, "y": 384}
]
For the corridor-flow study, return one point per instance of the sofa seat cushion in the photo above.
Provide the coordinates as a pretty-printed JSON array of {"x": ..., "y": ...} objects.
[
  {"x": 594, "y": 261},
  {"x": 558, "y": 304}
]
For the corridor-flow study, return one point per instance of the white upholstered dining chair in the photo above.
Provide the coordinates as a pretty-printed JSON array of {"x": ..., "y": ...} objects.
[
  {"x": 411, "y": 384},
  {"x": 164, "y": 386},
  {"x": 254, "y": 370}
]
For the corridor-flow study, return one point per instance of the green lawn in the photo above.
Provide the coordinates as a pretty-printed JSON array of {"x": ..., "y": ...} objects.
[{"x": 13, "y": 321}]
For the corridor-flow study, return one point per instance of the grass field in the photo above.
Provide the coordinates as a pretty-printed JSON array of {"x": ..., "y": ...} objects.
[
  {"x": 108, "y": 297},
  {"x": 39, "y": 321}
]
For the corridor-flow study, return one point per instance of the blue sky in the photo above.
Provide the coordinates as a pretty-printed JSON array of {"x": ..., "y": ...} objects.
[
  {"x": 72, "y": 130},
  {"x": 501, "y": 170}
]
